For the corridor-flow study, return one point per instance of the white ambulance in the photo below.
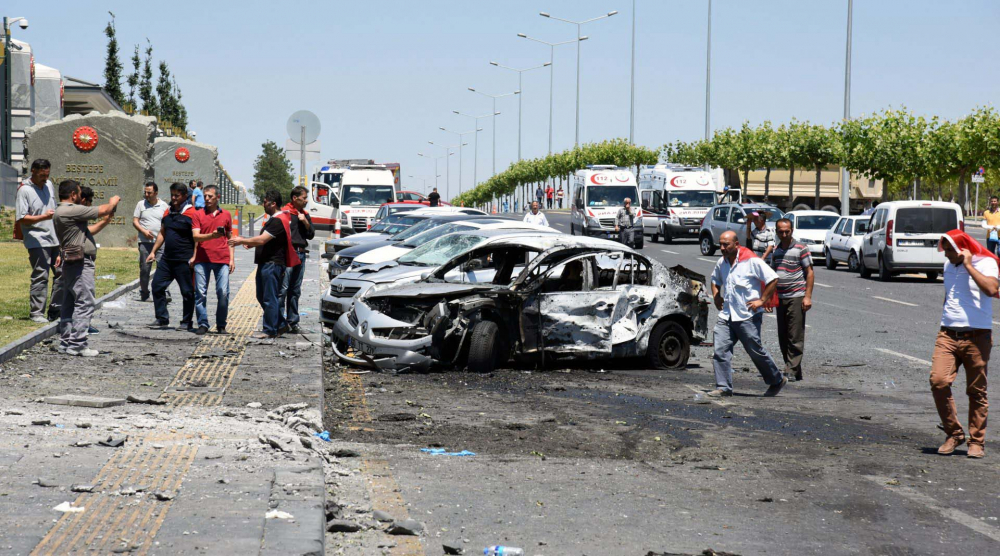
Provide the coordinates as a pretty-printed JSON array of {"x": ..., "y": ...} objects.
[
  {"x": 363, "y": 189},
  {"x": 675, "y": 199},
  {"x": 597, "y": 193},
  {"x": 323, "y": 197}
]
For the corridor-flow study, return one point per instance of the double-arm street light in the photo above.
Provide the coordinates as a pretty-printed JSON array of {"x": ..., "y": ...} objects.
[
  {"x": 435, "y": 158},
  {"x": 579, "y": 36},
  {"x": 460, "y": 134},
  {"x": 494, "y": 122},
  {"x": 520, "y": 98},
  {"x": 475, "y": 144},
  {"x": 447, "y": 165},
  {"x": 552, "y": 53}
]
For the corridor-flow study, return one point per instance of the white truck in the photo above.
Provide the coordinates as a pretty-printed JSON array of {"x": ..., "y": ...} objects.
[
  {"x": 363, "y": 189},
  {"x": 597, "y": 193},
  {"x": 675, "y": 199}
]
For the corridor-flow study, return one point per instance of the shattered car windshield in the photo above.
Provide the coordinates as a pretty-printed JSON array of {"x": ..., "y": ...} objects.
[
  {"x": 435, "y": 233},
  {"x": 418, "y": 228},
  {"x": 441, "y": 250}
]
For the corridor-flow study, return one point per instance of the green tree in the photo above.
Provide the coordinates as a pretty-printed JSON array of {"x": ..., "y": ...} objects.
[
  {"x": 884, "y": 146},
  {"x": 769, "y": 149},
  {"x": 134, "y": 77},
  {"x": 165, "y": 92},
  {"x": 272, "y": 170},
  {"x": 820, "y": 148},
  {"x": 791, "y": 139},
  {"x": 113, "y": 65},
  {"x": 181, "y": 114},
  {"x": 146, "y": 93}
]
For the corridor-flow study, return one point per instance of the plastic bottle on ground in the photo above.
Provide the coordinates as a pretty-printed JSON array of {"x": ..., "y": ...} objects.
[{"x": 503, "y": 551}]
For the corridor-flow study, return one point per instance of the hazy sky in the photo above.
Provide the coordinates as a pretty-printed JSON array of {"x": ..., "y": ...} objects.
[{"x": 383, "y": 76}]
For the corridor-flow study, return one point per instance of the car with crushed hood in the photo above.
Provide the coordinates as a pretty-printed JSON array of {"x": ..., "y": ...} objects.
[
  {"x": 534, "y": 298},
  {"x": 410, "y": 266}
]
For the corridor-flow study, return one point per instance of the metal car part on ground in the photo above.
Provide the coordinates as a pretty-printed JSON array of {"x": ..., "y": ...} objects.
[{"x": 549, "y": 298}]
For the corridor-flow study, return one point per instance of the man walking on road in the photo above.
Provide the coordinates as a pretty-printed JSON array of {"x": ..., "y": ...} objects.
[
  {"x": 559, "y": 195},
  {"x": 536, "y": 216},
  {"x": 197, "y": 195},
  {"x": 793, "y": 264},
  {"x": 741, "y": 282},
  {"x": 78, "y": 252},
  {"x": 177, "y": 239},
  {"x": 273, "y": 254},
  {"x": 965, "y": 338},
  {"x": 146, "y": 220},
  {"x": 549, "y": 193},
  {"x": 539, "y": 195},
  {"x": 35, "y": 205},
  {"x": 213, "y": 256},
  {"x": 434, "y": 199},
  {"x": 302, "y": 231},
  {"x": 991, "y": 221}
]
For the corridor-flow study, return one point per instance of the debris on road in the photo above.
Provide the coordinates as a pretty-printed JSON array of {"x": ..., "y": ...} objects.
[
  {"x": 148, "y": 401},
  {"x": 45, "y": 483},
  {"x": 384, "y": 517},
  {"x": 444, "y": 452},
  {"x": 406, "y": 527},
  {"x": 84, "y": 401},
  {"x": 278, "y": 514},
  {"x": 67, "y": 507},
  {"x": 342, "y": 526},
  {"x": 82, "y": 488},
  {"x": 112, "y": 442}
]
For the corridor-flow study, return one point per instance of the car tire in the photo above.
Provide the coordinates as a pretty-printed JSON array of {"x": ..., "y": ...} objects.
[
  {"x": 884, "y": 274},
  {"x": 932, "y": 276},
  {"x": 669, "y": 346},
  {"x": 707, "y": 245},
  {"x": 667, "y": 237},
  {"x": 654, "y": 238},
  {"x": 852, "y": 262},
  {"x": 483, "y": 347},
  {"x": 830, "y": 263},
  {"x": 862, "y": 268}
]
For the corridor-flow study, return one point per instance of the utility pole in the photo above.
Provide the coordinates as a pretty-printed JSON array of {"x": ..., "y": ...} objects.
[{"x": 845, "y": 176}]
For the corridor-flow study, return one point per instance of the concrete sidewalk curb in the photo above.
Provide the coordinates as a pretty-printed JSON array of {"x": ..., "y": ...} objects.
[{"x": 14, "y": 348}]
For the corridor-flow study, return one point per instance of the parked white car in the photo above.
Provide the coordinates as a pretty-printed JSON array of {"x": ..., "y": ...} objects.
[
  {"x": 809, "y": 227},
  {"x": 843, "y": 243},
  {"x": 903, "y": 237}
]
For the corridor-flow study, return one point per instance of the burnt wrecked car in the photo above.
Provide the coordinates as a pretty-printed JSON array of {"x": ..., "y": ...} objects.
[{"x": 549, "y": 297}]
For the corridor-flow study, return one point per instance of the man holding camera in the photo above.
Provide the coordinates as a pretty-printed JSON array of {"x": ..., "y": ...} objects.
[{"x": 213, "y": 256}]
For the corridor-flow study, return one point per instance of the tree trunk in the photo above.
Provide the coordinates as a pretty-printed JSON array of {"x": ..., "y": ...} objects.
[
  {"x": 916, "y": 190},
  {"x": 791, "y": 187},
  {"x": 962, "y": 193},
  {"x": 818, "y": 173},
  {"x": 885, "y": 191},
  {"x": 767, "y": 184},
  {"x": 743, "y": 186}
]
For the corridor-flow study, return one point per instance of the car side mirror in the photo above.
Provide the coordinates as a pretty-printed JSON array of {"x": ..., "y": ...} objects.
[
  {"x": 426, "y": 275},
  {"x": 741, "y": 220}
]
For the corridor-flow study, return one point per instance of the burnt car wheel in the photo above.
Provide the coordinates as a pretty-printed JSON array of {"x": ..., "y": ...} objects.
[
  {"x": 483, "y": 344},
  {"x": 669, "y": 346}
]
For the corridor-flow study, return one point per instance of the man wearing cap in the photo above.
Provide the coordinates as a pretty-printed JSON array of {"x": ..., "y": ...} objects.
[
  {"x": 759, "y": 236},
  {"x": 965, "y": 338}
]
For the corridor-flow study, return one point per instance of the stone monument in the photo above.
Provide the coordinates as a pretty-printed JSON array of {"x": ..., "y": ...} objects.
[
  {"x": 110, "y": 153},
  {"x": 181, "y": 160}
]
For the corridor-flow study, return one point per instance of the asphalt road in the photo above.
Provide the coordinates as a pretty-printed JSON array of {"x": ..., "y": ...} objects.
[{"x": 611, "y": 459}]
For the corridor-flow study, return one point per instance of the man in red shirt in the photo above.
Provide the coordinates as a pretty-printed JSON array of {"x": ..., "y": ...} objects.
[
  {"x": 549, "y": 192},
  {"x": 212, "y": 256}
]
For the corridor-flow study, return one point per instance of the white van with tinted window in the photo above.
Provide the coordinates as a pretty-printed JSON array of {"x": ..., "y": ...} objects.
[
  {"x": 598, "y": 193},
  {"x": 903, "y": 238}
]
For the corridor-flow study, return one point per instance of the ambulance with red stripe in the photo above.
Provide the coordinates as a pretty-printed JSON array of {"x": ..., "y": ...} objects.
[
  {"x": 675, "y": 199},
  {"x": 363, "y": 189},
  {"x": 597, "y": 193}
]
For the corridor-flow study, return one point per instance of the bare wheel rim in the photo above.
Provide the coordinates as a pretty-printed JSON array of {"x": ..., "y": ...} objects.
[{"x": 670, "y": 349}]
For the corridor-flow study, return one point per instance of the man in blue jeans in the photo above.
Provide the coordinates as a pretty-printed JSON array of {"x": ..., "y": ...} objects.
[
  {"x": 273, "y": 254},
  {"x": 741, "y": 282},
  {"x": 213, "y": 256},
  {"x": 177, "y": 241},
  {"x": 302, "y": 231}
]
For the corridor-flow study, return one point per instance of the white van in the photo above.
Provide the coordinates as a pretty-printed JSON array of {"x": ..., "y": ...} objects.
[
  {"x": 675, "y": 199},
  {"x": 363, "y": 189},
  {"x": 598, "y": 192},
  {"x": 903, "y": 237}
]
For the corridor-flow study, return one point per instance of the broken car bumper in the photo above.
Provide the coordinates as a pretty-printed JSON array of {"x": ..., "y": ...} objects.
[{"x": 368, "y": 350}]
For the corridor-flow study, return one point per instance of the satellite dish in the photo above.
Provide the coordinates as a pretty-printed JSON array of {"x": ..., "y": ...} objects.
[{"x": 300, "y": 119}]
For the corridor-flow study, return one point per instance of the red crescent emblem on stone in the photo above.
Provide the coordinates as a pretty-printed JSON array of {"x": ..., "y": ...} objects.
[
  {"x": 85, "y": 138},
  {"x": 182, "y": 154}
]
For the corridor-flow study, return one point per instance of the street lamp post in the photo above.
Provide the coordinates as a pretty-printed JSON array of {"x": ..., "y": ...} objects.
[
  {"x": 552, "y": 53},
  {"x": 631, "y": 110},
  {"x": 447, "y": 165},
  {"x": 520, "y": 97},
  {"x": 436, "y": 174},
  {"x": 845, "y": 177},
  {"x": 494, "y": 122},
  {"x": 460, "y": 134},
  {"x": 579, "y": 25},
  {"x": 708, "y": 72},
  {"x": 8, "y": 86},
  {"x": 475, "y": 144}
]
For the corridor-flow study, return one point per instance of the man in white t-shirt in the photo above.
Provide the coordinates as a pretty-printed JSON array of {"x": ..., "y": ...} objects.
[
  {"x": 535, "y": 216},
  {"x": 970, "y": 283},
  {"x": 741, "y": 285}
]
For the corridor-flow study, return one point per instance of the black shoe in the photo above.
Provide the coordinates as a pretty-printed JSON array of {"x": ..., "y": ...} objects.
[
  {"x": 159, "y": 324},
  {"x": 186, "y": 326},
  {"x": 774, "y": 389},
  {"x": 201, "y": 330},
  {"x": 93, "y": 330},
  {"x": 221, "y": 330},
  {"x": 169, "y": 300},
  {"x": 294, "y": 329},
  {"x": 282, "y": 330},
  {"x": 144, "y": 298}
]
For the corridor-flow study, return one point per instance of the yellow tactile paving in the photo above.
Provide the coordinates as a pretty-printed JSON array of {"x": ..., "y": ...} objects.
[
  {"x": 111, "y": 521},
  {"x": 216, "y": 372}
]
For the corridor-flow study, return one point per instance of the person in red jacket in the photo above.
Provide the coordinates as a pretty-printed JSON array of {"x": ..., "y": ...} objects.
[
  {"x": 274, "y": 254},
  {"x": 549, "y": 193}
]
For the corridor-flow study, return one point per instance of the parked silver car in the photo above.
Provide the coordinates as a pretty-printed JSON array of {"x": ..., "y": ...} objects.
[
  {"x": 550, "y": 297},
  {"x": 731, "y": 217}
]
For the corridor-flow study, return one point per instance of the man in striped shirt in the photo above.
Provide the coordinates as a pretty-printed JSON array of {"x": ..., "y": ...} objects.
[{"x": 793, "y": 264}]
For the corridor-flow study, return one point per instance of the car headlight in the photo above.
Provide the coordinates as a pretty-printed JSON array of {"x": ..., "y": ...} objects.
[
  {"x": 593, "y": 222},
  {"x": 341, "y": 260}
]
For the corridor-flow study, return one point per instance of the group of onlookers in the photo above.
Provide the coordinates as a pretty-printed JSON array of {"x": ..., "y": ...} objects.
[{"x": 190, "y": 238}]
